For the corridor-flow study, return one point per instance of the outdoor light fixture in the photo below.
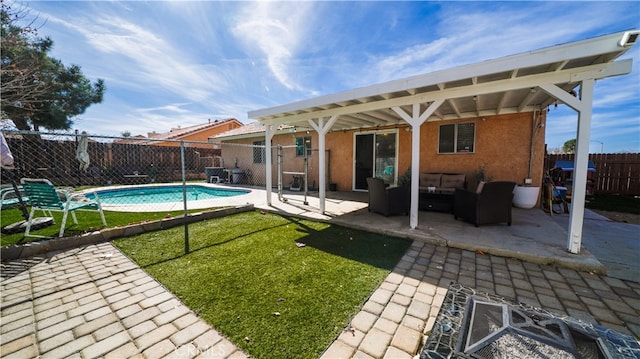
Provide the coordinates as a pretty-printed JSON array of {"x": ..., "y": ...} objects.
[{"x": 629, "y": 38}]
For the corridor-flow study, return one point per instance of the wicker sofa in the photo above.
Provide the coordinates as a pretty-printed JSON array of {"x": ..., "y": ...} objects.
[
  {"x": 442, "y": 182},
  {"x": 437, "y": 189}
]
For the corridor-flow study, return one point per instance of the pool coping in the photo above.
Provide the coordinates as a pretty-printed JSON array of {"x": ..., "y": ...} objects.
[
  {"x": 237, "y": 200},
  {"x": 31, "y": 249}
]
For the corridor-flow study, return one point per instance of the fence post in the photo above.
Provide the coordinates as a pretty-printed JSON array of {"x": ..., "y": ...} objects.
[
  {"x": 184, "y": 198},
  {"x": 280, "y": 196},
  {"x": 78, "y": 174}
]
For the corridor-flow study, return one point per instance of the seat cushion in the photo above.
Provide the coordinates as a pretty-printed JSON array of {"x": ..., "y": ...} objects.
[
  {"x": 453, "y": 181},
  {"x": 430, "y": 179}
]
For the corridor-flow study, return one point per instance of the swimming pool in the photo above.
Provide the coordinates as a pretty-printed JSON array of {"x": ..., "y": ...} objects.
[{"x": 147, "y": 195}]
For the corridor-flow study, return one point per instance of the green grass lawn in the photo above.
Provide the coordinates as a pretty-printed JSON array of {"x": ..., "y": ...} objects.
[
  {"x": 249, "y": 276},
  {"x": 87, "y": 221}
]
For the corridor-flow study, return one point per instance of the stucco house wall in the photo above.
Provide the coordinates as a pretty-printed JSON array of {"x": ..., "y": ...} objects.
[{"x": 502, "y": 147}]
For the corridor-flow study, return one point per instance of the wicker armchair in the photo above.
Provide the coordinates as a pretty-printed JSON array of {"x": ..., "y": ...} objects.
[
  {"x": 387, "y": 200},
  {"x": 491, "y": 205}
]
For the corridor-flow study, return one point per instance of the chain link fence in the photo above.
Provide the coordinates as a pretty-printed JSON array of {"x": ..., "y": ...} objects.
[{"x": 133, "y": 174}]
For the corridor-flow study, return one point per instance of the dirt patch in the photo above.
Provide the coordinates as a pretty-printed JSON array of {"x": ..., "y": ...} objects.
[{"x": 619, "y": 216}]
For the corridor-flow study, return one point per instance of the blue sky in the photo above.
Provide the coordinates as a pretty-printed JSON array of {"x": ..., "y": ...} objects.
[{"x": 169, "y": 64}]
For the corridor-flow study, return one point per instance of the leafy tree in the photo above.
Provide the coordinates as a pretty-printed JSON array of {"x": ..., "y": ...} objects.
[
  {"x": 569, "y": 146},
  {"x": 37, "y": 90}
]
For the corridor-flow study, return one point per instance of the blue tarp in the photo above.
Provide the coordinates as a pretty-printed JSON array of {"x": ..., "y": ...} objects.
[{"x": 567, "y": 166}]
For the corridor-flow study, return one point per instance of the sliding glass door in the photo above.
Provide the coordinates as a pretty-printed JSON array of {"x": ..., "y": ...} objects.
[{"x": 376, "y": 155}]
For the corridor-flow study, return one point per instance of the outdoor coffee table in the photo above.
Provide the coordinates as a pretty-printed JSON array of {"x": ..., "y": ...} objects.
[{"x": 436, "y": 201}]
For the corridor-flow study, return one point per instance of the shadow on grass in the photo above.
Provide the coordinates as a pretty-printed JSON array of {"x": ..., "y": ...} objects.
[
  {"x": 195, "y": 248},
  {"x": 377, "y": 250}
]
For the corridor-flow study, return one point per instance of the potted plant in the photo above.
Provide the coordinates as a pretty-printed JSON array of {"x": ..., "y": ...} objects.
[
  {"x": 480, "y": 175},
  {"x": 405, "y": 179}
]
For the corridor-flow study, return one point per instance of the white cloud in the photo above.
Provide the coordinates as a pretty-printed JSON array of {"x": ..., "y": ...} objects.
[
  {"x": 170, "y": 62},
  {"x": 141, "y": 59},
  {"x": 276, "y": 30},
  {"x": 175, "y": 108},
  {"x": 484, "y": 32}
]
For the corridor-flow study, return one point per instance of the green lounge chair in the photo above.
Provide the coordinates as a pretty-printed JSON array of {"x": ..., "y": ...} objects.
[
  {"x": 8, "y": 197},
  {"x": 44, "y": 196}
]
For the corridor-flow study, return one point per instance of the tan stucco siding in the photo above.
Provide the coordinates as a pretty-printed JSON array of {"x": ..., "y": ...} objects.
[
  {"x": 502, "y": 146},
  {"x": 340, "y": 145}
]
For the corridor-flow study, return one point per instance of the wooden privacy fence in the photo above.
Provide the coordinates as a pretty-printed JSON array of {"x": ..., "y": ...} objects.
[{"x": 616, "y": 173}]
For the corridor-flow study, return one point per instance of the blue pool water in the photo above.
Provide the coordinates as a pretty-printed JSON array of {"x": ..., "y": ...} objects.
[{"x": 163, "y": 194}]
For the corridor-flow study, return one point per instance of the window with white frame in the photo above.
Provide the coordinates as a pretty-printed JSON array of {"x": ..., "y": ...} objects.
[
  {"x": 259, "y": 153},
  {"x": 457, "y": 138}
]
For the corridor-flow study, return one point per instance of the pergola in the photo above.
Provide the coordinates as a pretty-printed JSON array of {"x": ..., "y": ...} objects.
[{"x": 525, "y": 82}]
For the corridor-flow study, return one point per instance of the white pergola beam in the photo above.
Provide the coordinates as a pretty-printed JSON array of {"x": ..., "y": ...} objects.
[
  {"x": 502, "y": 102},
  {"x": 383, "y": 114},
  {"x": 565, "y": 76},
  {"x": 579, "y": 49},
  {"x": 454, "y": 106},
  {"x": 527, "y": 100}
]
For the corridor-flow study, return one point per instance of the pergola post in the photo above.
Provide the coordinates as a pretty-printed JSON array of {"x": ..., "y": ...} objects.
[
  {"x": 416, "y": 120},
  {"x": 321, "y": 128},
  {"x": 581, "y": 164},
  {"x": 584, "y": 107}
]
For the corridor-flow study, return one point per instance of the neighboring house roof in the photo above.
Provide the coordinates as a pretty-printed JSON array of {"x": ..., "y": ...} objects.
[
  {"x": 179, "y": 132},
  {"x": 250, "y": 130}
]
